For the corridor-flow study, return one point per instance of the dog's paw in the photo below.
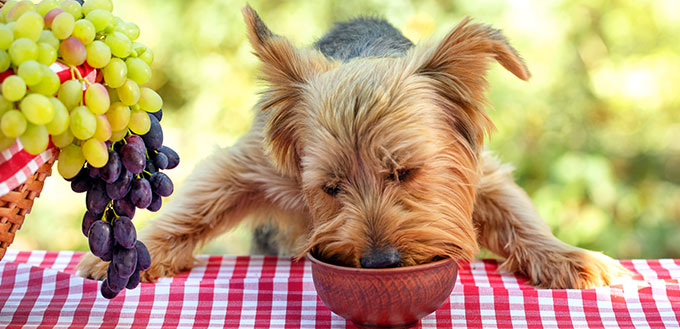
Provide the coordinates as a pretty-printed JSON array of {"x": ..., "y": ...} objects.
[
  {"x": 92, "y": 267},
  {"x": 574, "y": 269}
]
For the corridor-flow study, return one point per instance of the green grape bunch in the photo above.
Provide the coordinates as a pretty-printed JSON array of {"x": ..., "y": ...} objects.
[{"x": 83, "y": 118}]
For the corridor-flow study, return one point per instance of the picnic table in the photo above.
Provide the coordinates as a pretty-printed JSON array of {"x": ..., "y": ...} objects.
[{"x": 41, "y": 289}]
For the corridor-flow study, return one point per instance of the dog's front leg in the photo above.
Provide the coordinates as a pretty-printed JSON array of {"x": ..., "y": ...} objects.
[
  {"x": 509, "y": 225},
  {"x": 220, "y": 192}
]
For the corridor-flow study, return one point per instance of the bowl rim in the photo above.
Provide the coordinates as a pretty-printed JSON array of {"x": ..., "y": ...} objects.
[{"x": 391, "y": 270}]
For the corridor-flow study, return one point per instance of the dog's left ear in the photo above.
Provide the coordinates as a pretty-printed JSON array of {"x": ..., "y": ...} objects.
[
  {"x": 287, "y": 71},
  {"x": 458, "y": 65}
]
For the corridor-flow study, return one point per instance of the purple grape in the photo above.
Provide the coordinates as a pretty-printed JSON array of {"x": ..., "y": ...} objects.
[
  {"x": 96, "y": 199},
  {"x": 158, "y": 114},
  {"x": 120, "y": 188},
  {"x": 124, "y": 207},
  {"x": 136, "y": 140},
  {"x": 133, "y": 158},
  {"x": 156, "y": 203},
  {"x": 82, "y": 182},
  {"x": 93, "y": 171},
  {"x": 134, "y": 279},
  {"x": 153, "y": 139},
  {"x": 115, "y": 280},
  {"x": 173, "y": 158},
  {"x": 140, "y": 193},
  {"x": 110, "y": 172},
  {"x": 106, "y": 291},
  {"x": 89, "y": 219},
  {"x": 124, "y": 232},
  {"x": 124, "y": 260},
  {"x": 100, "y": 239},
  {"x": 150, "y": 167},
  {"x": 160, "y": 160},
  {"x": 161, "y": 184},
  {"x": 143, "y": 256}
]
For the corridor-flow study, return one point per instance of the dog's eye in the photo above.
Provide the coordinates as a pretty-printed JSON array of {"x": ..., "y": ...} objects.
[
  {"x": 401, "y": 175},
  {"x": 331, "y": 190}
]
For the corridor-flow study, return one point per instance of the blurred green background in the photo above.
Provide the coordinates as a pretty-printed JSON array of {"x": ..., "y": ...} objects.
[{"x": 594, "y": 135}]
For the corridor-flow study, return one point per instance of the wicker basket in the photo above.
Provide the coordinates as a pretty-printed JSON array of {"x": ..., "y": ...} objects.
[{"x": 15, "y": 205}]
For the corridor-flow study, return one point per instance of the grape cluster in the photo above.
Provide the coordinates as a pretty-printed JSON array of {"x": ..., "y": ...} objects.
[
  {"x": 130, "y": 179},
  {"x": 79, "y": 115},
  {"x": 108, "y": 131}
]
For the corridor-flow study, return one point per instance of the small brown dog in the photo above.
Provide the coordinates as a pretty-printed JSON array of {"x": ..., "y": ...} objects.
[{"x": 368, "y": 151}]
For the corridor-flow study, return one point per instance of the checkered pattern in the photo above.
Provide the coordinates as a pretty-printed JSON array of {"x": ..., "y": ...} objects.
[
  {"x": 40, "y": 289},
  {"x": 16, "y": 165}
]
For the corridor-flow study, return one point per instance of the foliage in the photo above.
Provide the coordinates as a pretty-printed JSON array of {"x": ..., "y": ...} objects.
[{"x": 594, "y": 134}]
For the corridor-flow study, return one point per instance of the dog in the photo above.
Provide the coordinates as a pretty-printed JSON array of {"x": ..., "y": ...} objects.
[{"x": 368, "y": 151}]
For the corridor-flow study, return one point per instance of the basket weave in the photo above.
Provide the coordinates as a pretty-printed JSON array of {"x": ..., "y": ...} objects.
[{"x": 15, "y": 205}]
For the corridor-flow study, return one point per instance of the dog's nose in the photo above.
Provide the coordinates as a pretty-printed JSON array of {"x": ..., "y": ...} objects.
[{"x": 381, "y": 258}]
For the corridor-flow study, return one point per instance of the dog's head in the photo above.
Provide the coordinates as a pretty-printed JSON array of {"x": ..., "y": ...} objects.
[{"x": 385, "y": 149}]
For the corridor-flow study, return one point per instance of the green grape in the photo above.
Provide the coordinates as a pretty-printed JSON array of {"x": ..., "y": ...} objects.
[
  {"x": 4, "y": 61},
  {"x": 70, "y": 161},
  {"x": 30, "y": 71},
  {"x": 118, "y": 116},
  {"x": 118, "y": 135},
  {"x": 113, "y": 95},
  {"x": 131, "y": 30},
  {"x": 98, "y": 54},
  {"x": 7, "y": 6},
  {"x": 46, "y": 53},
  {"x": 13, "y": 88},
  {"x": 23, "y": 49},
  {"x": 29, "y": 25},
  {"x": 5, "y": 142},
  {"x": 35, "y": 139},
  {"x": 149, "y": 100},
  {"x": 62, "y": 26},
  {"x": 103, "y": 131},
  {"x": 6, "y": 37},
  {"x": 60, "y": 121},
  {"x": 139, "y": 122},
  {"x": 71, "y": 93},
  {"x": 83, "y": 30},
  {"x": 45, "y": 6},
  {"x": 72, "y": 7},
  {"x": 49, "y": 17},
  {"x": 138, "y": 70},
  {"x": 100, "y": 18},
  {"x": 49, "y": 85},
  {"x": 48, "y": 37},
  {"x": 83, "y": 123},
  {"x": 95, "y": 152},
  {"x": 115, "y": 73},
  {"x": 5, "y": 105},
  {"x": 97, "y": 98},
  {"x": 37, "y": 109},
  {"x": 128, "y": 93},
  {"x": 13, "y": 123},
  {"x": 120, "y": 44},
  {"x": 19, "y": 9},
  {"x": 64, "y": 139},
  {"x": 73, "y": 51},
  {"x": 91, "y": 5}
]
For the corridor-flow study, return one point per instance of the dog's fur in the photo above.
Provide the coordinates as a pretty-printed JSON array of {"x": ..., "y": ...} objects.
[{"x": 366, "y": 142}]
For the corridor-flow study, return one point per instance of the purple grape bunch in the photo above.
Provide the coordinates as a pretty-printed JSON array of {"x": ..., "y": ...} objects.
[{"x": 131, "y": 179}]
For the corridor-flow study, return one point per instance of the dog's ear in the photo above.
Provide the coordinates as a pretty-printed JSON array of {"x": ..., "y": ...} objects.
[
  {"x": 458, "y": 66},
  {"x": 287, "y": 70}
]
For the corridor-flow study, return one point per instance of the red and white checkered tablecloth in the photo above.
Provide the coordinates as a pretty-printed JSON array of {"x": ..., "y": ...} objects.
[
  {"x": 16, "y": 165},
  {"x": 39, "y": 289}
]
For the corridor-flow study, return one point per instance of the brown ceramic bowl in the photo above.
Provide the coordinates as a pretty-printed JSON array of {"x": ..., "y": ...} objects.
[{"x": 391, "y": 297}]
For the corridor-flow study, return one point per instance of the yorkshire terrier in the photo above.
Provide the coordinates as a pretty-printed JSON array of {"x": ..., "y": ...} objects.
[{"x": 369, "y": 152}]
